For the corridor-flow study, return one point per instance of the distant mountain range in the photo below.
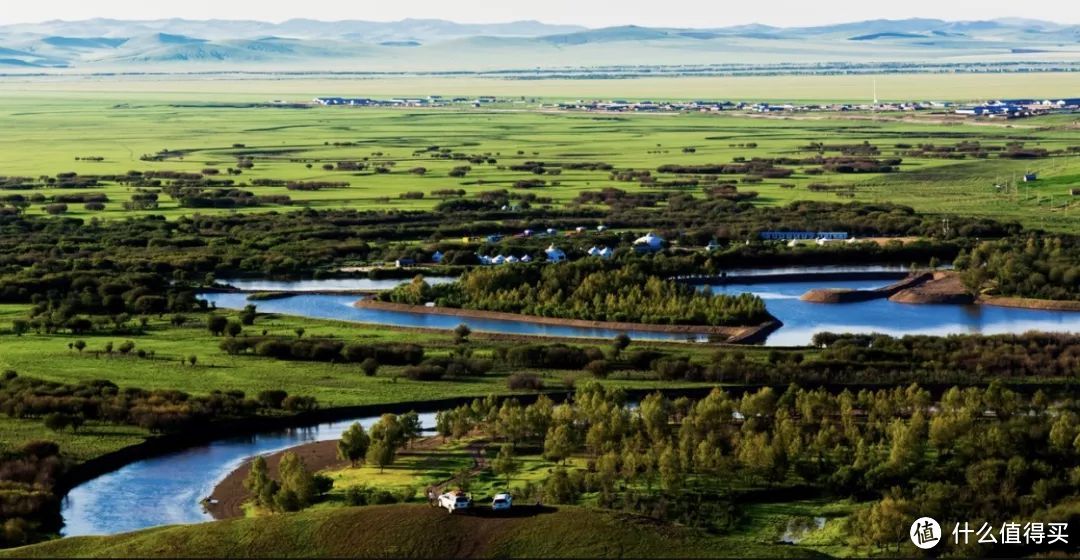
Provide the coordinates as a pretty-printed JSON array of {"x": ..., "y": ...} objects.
[{"x": 426, "y": 45}]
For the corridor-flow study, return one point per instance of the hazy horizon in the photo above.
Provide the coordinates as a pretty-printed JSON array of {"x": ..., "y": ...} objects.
[{"x": 605, "y": 13}]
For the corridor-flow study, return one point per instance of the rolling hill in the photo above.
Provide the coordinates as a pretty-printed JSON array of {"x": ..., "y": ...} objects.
[
  {"x": 106, "y": 45},
  {"x": 413, "y": 531}
]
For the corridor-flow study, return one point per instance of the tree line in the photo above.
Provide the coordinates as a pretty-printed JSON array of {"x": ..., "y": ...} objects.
[{"x": 971, "y": 454}]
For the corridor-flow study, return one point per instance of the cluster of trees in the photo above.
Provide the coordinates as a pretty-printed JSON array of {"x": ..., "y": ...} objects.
[
  {"x": 1037, "y": 267},
  {"x": 959, "y": 357},
  {"x": 296, "y": 487},
  {"x": 28, "y": 507},
  {"x": 378, "y": 446},
  {"x": 318, "y": 349},
  {"x": 586, "y": 289},
  {"x": 62, "y": 405},
  {"x": 972, "y": 454}
]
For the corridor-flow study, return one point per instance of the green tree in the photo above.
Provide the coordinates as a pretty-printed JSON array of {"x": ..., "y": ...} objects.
[
  {"x": 296, "y": 480},
  {"x": 671, "y": 473},
  {"x": 370, "y": 366},
  {"x": 353, "y": 444},
  {"x": 216, "y": 324},
  {"x": 411, "y": 428},
  {"x": 461, "y": 333},
  {"x": 80, "y": 345},
  {"x": 381, "y": 454},
  {"x": 505, "y": 464},
  {"x": 247, "y": 316},
  {"x": 558, "y": 444},
  {"x": 234, "y": 328},
  {"x": 258, "y": 483}
]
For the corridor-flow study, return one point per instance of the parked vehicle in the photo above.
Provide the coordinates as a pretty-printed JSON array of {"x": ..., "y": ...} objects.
[
  {"x": 455, "y": 501},
  {"x": 501, "y": 501}
]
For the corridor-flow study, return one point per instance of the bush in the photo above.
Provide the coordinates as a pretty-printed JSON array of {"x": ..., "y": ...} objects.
[
  {"x": 425, "y": 372},
  {"x": 598, "y": 368},
  {"x": 524, "y": 382},
  {"x": 272, "y": 398}
]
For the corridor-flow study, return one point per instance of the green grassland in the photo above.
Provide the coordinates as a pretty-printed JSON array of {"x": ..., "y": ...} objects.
[
  {"x": 47, "y": 356},
  {"x": 418, "y": 531},
  {"x": 56, "y": 129}
]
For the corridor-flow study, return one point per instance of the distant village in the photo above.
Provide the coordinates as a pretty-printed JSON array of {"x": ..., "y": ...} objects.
[
  {"x": 648, "y": 243},
  {"x": 1000, "y": 108}
]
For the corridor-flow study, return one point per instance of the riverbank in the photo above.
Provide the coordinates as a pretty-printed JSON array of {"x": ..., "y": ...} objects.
[
  {"x": 842, "y": 295},
  {"x": 749, "y": 334},
  {"x": 942, "y": 288},
  {"x": 1030, "y": 303},
  {"x": 227, "y": 499}
]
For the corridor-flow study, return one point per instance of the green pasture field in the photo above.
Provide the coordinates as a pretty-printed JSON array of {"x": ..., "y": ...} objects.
[
  {"x": 52, "y": 129},
  {"x": 47, "y": 356}
]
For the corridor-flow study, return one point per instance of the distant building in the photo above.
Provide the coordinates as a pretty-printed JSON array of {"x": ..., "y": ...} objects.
[
  {"x": 713, "y": 245},
  {"x": 650, "y": 242},
  {"x": 1029, "y": 177},
  {"x": 404, "y": 262},
  {"x": 554, "y": 254},
  {"x": 802, "y": 235}
]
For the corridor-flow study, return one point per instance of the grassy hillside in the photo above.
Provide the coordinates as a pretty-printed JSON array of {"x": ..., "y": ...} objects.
[{"x": 413, "y": 531}]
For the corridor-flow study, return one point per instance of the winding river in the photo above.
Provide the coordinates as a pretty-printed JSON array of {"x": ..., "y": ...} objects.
[
  {"x": 801, "y": 319},
  {"x": 167, "y": 489}
]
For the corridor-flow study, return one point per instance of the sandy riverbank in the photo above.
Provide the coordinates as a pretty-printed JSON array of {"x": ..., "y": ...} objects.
[
  {"x": 1030, "y": 303},
  {"x": 842, "y": 295},
  {"x": 943, "y": 288}
]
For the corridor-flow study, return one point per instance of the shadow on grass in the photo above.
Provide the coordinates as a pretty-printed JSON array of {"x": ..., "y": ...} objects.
[{"x": 514, "y": 512}]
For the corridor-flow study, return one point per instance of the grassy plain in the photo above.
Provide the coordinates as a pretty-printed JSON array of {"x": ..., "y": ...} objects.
[
  {"x": 47, "y": 356},
  {"x": 56, "y": 128}
]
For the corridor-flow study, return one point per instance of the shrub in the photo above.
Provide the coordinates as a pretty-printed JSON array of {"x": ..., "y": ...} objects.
[{"x": 524, "y": 382}]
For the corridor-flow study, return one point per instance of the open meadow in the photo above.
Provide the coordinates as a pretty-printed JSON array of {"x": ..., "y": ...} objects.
[{"x": 407, "y": 156}]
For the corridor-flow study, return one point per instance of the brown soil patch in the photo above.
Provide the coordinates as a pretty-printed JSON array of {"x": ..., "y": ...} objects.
[
  {"x": 1031, "y": 303},
  {"x": 945, "y": 287}
]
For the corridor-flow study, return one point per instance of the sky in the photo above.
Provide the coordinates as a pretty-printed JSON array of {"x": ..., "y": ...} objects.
[{"x": 590, "y": 13}]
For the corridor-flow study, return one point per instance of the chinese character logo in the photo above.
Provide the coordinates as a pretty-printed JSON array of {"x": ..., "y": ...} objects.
[{"x": 925, "y": 533}]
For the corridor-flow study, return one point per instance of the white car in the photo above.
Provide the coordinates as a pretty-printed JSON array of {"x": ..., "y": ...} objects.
[
  {"x": 501, "y": 501},
  {"x": 455, "y": 501}
]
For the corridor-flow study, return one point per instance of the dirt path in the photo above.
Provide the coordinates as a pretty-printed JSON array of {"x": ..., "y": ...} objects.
[{"x": 478, "y": 450}]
